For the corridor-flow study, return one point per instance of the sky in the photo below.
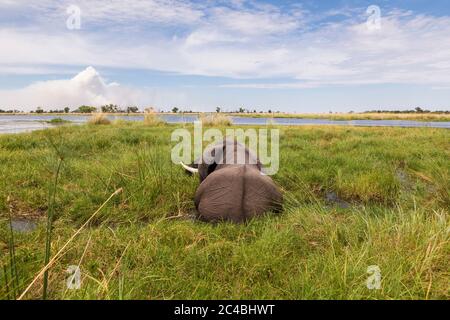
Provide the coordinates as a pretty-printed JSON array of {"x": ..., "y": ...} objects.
[{"x": 288, "y": 56}]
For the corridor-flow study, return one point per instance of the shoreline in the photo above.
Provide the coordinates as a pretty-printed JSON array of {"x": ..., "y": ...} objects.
[
  {"x": 47, "y": 125},
  {"x": 423, "y": 117}
]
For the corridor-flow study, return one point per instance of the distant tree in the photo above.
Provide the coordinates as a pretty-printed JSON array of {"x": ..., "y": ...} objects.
[
  {"x": 241, "y": 110},
  {"x": 39, "y": 110},
  {"x": 218, "y": 110},
  {"x": 110, "y": 108},
  {"x": 66, "y": 110},
  {"x": 175, "y": 109},
  {"x": 254, "y": 111},
  {"x": 132, "y": 109},
  {"x": 419, "y": 110},
  {"x": 270, "y": 111},
  {"x": 86, "y": 109}
]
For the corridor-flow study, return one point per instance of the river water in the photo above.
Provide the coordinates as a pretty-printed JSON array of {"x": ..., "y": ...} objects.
[{"x": 26, "y": 123}]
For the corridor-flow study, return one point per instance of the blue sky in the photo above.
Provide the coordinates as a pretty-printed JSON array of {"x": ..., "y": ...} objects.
[{"x": 292, "y": 56}]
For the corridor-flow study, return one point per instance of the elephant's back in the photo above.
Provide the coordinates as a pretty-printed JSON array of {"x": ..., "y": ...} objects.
[
  {"x": 260, "y": 194},
  {"x": 236, "y": 193}
]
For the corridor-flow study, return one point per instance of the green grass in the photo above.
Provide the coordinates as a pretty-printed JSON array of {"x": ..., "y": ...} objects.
[
  {"x": 58, "y": 121},
  {"x": 144, "y": 244},
  {"x": 426, "y": 116},
  {"x": 215, "y": 119}
]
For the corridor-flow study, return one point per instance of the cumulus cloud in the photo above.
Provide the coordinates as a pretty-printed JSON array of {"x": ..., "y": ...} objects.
[{"x": 86, "y": 88}]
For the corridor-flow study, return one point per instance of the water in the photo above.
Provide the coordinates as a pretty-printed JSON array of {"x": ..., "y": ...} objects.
[
  {"x": 332, "y": 198},
  {"x": 23, "y": 225},
  {"x": 26, "y": 123}
]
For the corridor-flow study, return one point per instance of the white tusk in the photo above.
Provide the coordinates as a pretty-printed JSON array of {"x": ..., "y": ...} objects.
[{"x": 187, "y": 168}]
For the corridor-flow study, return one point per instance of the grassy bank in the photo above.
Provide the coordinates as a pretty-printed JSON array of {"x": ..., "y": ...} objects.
[
  {"x": 354, "y": 197},
  {"x": 353, "y": 116}
]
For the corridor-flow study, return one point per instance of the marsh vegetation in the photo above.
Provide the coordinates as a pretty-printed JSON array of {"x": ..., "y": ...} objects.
[
  {"x": 412, "y": 116},
  {"x": 144, "y": 242}
]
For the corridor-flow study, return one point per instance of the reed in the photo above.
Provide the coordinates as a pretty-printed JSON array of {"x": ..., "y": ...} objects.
[
  {"x": 50, "y": 217},
  {"x": 215, "y": 119},
  {"x": 152, "y": 119},
  {"x": 99, "y": 118},
  {"x": 51, "y": 206},
  {"x": 12, "y": 258},
  {"x": 352, "y": 116}
]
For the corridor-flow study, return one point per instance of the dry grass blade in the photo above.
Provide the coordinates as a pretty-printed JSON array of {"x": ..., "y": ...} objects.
[
  {"x": 152, "y": 119},
  {"x": 99, "y": 118},
  {"x": 215, "y": 119},
  {"x": 55, "y": 257},
  {"x": 118, "y": 263}
]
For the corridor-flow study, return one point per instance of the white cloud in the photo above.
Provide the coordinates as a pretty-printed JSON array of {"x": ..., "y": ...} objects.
[
  {"x": 244, "y": 40},
  {"x": 116, "y": 11},
  {"x": 265, "y": 21},
  {"x": 86, "y": 88}
]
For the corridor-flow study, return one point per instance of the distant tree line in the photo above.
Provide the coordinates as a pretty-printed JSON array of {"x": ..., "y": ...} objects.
[
  {"x": 113, "y": 108},
  {"x": 243, "y": 110},
  {"x": 9, "y": 111},
  {"x": 110, "y": 108},
  {"x": 416, "y": 110}
]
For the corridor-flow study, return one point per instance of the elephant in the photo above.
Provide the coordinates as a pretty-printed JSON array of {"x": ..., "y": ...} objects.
[{"x": 232, "y": 186}]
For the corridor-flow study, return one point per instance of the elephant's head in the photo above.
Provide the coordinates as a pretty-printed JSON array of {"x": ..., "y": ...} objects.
[{"x": 232, "y": 187}]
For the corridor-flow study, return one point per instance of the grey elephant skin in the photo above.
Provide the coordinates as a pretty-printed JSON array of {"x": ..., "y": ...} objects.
[{"x": 232, "y": 185}]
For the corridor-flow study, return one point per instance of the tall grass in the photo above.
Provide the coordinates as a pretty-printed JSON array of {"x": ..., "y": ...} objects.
[
  {"x": 152, "y": 119},
  {"x": 119, "y": 122},
  {"x": 99, "y": 118},
  {"x": 50, "y": 218},
  {"x": 215, "y": 119},
  {"x": 51, "y": 212},
  {"x": 145, "y": 243},
  {"x": 353, "y": 116},
  {"x": 6, "y": 288},
  {"x": 12, "y": 259},
  {"x": 49, "y": 263}
]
